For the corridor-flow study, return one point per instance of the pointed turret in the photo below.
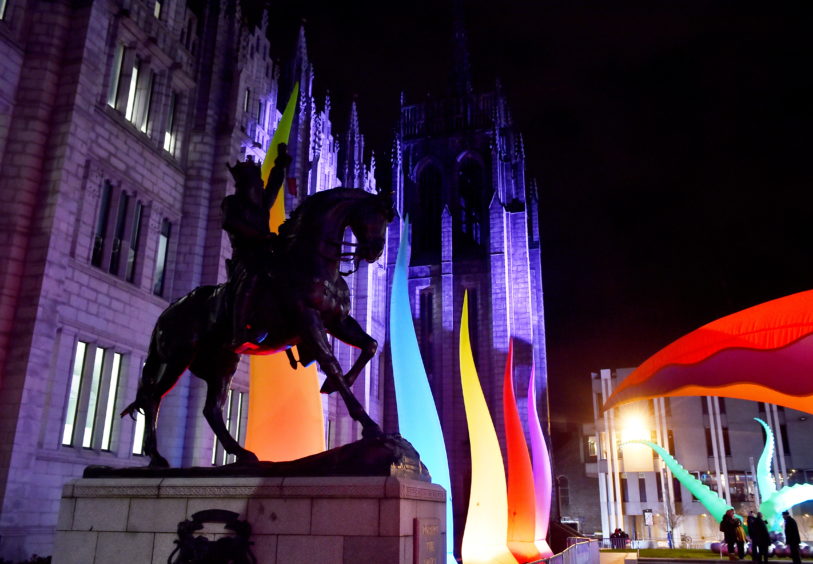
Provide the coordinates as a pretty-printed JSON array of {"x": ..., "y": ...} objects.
[
  {"x": 461, "y": 73},
  {"x": 353, "y": 170}
]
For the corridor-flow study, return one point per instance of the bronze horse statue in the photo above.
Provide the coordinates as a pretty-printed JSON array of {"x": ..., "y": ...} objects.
[{"x": 300, "y": 298}]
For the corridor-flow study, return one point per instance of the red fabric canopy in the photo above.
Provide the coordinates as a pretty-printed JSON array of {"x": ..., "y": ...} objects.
[{"x": 763, "y": 353}]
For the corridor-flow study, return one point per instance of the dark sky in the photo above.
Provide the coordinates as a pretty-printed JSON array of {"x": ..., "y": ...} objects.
[{"x": 671, "y": 142}]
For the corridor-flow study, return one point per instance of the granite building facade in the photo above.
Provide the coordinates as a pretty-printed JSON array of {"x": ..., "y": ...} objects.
[{"x": 116, "y": 120}]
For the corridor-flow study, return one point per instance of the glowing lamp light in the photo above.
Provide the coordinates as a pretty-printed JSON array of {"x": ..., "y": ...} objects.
[
  {"x": 543, "y": 482},
  {"x": 418, "y": 419},
  {"x": 285, "y": 419},
  {"x": 521, "y": 494},
  {"x": 486, "y": 533}
]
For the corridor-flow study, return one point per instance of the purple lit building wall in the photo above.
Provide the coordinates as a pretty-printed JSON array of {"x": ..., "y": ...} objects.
[{"x": 117, "y": 118}]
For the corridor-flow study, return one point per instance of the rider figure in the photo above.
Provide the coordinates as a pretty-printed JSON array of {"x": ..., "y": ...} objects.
[{"x": 245, "y": 219}]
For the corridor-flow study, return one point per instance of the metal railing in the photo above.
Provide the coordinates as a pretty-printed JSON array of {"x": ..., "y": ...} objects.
[{"x": 579, "y": 551}]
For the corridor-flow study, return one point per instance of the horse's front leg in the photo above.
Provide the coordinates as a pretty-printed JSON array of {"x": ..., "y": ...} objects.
[
  {"x": 349, "y": 331},
  {"x": 313, "y": 335}
]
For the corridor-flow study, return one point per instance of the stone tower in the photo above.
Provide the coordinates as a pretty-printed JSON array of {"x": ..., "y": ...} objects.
[{"x": 458, "y": 169}]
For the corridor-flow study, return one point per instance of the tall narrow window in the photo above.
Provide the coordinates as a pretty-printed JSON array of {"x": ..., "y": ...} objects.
[
  {"x": 140, "y": 114},
  {"x": 101, "y": 225},
  {"x": 659, "y": 487},
  {"x": 132, "y": 250},
  {"x": 95, "y": 383},
  {"x": 3, "y": 6},
  {"x": 129, "y": 110},
  {"x": 259, "y": 112},
  {"x": 246, "y": 97},
  {"x": 169, "y": 133},
  {"x": 138, "y": 434},
  {"x": 161, "y": 258},
  {"x": 427, "y": 330},
  {"x": 564, "y": 491},
  {"x": 470, "y": 186},
  {"x": 115, "y": 76},
  {"x": 156, "y": 9},
  {"x": 73, "y": 392},
  {"x": 110, "y": 402},
  {"x": 726, "y": 442},
  {"x": 427, "y": 211},
  {"x": 625, "y": 494},
  {"x": 118, "y": 234},
  {"x": 474, "y": 325},
  {"x": 677, "y": 490},
  {"x": 709, "y": 445},
  {"x": 641, "y": 488}
]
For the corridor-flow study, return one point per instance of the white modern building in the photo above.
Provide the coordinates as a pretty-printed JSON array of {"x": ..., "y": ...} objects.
[{"x": 716, "y": 439}]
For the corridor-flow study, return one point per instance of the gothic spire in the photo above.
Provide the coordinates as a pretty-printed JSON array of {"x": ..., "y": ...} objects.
[{"x": 462, "y": 68}]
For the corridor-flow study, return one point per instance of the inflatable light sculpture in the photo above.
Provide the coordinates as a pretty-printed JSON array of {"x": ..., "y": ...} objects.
[
  {"x": 521, "y": 491},
  {"x": 542, "y": 472},
  {"x": 282, "y": 397},
  {"x": 763, "y": 353},
  {"x": 773, "y": 502},
  {"x": 418, "y": 419},
  {"x": 486, "y": 532}
]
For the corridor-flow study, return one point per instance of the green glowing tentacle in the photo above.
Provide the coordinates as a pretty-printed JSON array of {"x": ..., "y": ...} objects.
[
  {"x": 715, "y": 505},
  {"x": 765, "y": 481}
]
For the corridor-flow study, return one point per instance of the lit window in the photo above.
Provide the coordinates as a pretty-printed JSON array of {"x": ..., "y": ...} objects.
[
  {"x": 115, "y": 76},
  {"x": 156, "y": 9},
  {"x": 138, "y": 435},
  {"x": 129, "y": 111},
  {"x": 91, "y": 401},
  {"x": 169, "y": 132},
  {"x": 234, "y": 415},
  {"x": 161, "y": 258},
  {"x": 95, "y": 382},
  {"x": 73, "y": 392},
  {"x": 110, "y": 403},
  {"x": 3, "y": 6}
]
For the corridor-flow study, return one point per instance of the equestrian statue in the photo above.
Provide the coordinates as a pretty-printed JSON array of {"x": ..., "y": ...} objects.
[{"x": 283, "y": 290}]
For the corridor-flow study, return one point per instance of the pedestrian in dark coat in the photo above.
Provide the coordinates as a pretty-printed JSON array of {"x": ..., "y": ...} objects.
[
  {"x": 792, "y": 537},
  {"x": 760, "y": 538},
  {"x": 729, "y": 526}
]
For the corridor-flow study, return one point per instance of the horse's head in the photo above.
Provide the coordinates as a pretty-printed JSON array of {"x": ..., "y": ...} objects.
[
  {"x": 369, "y": 225},
  {"x": 248, "y": 180}
]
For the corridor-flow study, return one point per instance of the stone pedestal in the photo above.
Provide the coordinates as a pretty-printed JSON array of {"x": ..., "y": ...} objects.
[{"x": 330, "y": 520}]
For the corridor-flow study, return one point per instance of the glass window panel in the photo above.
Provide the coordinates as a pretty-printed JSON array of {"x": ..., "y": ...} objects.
[
  {"x": 138, "y": 435},
  {"x": 169, "y": 133},
  {"x": 73, "y": 393},
  {"x": 101, "y": 225},
  {"x": 118, "y": 235},
  {"x": 115, "y": 76},
  {"x": 110, "y": 405},
  {"x": 129, "y": 111},
  {"x": 161, "y": 259},
  {"x": 132, "y": 252},
  {"x": 95, "y": 382},
  {"x": 156, "y": 10}
]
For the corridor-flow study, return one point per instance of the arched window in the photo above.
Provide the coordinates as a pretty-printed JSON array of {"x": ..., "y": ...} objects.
[
  {"x": 427, "y": 211},
  {"x": 470, "y": 185}
]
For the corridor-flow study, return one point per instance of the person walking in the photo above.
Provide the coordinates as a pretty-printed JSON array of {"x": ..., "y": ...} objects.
[
  {"x": 729, "y": 526},
  {"x": 760, "y": 538},
  {"x": 792, "y": 537}
]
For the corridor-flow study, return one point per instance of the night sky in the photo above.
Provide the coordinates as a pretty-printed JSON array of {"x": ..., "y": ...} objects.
[{"x": 671, "y": 142}]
